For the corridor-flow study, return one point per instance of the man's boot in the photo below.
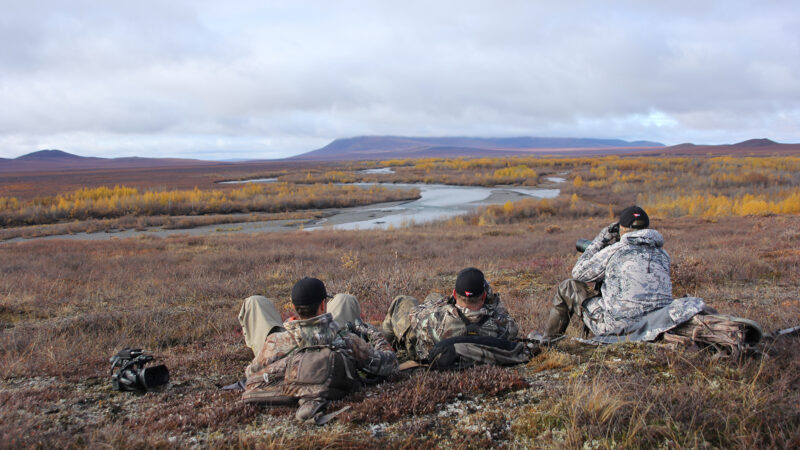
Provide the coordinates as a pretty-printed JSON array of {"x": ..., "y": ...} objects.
[
  {"x": 569, "y": 297},
  {"x": 558, "y": 320},
  {"x": 310, "y": 408}
]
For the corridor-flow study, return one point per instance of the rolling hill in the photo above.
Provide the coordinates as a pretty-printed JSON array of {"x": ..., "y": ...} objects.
[
  {"x": 50, "y": 160},
  {"x": 386, "y": 147},
  {"x": 399, "y": 147},
  {"x": 750, "y": 147}
]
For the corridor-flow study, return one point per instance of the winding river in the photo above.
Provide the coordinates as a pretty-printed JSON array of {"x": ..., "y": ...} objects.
[{"x": 436, "y": 202}]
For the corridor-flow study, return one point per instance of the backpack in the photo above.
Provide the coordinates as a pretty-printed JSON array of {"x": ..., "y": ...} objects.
[
  {"x": 729, "y": 334},
  {"x": 466, "y": 351},
  {"x": 313, "y": 372}
]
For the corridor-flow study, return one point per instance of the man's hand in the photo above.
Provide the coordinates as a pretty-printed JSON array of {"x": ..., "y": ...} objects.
[
  {"x": 610, "y": 234},
  {"x": 359, "y": 328}
]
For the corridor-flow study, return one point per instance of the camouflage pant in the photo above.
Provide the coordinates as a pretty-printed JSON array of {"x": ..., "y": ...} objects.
[
  {"x": 259, "y": 317},
  {"x": 396, "y": 326},
  {"x": 569, "y": 299}
]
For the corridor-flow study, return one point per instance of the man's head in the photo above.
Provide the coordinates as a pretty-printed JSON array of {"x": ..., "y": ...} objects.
[
  {"x": 470, "y": 288},
  {"x": 633, "y": 218},
  {"x": 308, "y": 297}
]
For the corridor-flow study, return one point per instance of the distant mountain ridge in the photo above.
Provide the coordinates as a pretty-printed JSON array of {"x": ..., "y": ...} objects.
[
  {"x": 49, "y": 160},
  {"x": 44, "y": 155},
  {"x": 750, "y": 147},
  {"x": 398, "y": 147},
  {"x": 376, "y": 147}
]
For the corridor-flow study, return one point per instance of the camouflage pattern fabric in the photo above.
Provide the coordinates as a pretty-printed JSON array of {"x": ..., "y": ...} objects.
[
  {"x": 375, "y": 357},
  {"x": 635, "y": 276},
  {"x": 417, "y": 328}
]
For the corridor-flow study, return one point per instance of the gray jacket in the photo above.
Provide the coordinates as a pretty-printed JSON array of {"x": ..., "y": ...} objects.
[{"x": 635, "y": 276}]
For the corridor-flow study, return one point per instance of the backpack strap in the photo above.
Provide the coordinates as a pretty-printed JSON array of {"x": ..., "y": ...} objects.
[{"x": 472, "y": 328}]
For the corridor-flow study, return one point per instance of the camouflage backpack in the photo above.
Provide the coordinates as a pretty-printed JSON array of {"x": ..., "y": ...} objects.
[
  {"x": 732, "y": 335},
  {"x": 314, "y": 372}
]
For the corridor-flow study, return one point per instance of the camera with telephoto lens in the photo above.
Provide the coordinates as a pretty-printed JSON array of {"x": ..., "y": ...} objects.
[
  {"x": 582, "y": 244},
  {"x": 131, "y": 373}
]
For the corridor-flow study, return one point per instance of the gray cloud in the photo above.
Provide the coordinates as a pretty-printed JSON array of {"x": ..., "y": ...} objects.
[{"x": 235, "y": 79}]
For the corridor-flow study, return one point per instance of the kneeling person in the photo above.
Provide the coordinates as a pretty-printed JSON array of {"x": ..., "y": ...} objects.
[
  {"x": 314, "y": 360},
  {"x": 472, "y": 310}
]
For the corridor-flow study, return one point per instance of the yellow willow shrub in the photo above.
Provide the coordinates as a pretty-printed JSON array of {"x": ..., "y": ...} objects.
[
  {"x": 630, "y": 164},
  {"x": 722, "y": 205},
  {"x": 598, "y": 183},
  {"x": 573, "y": 201},
  {"x": 101, "y": 192},
  {"x": 791, "y": 204},
  {"x": 8, "y": 203},
  {"x": 394, "y": 162},
  {"x": 599, "y": 171},
  {"x": 120, "y": 201},
  {"x": 751, "y": 205},
  {"x": 338, "y": 176},
  {"x": 457, "y": 164},
  {"x": 515, "y": 172}
]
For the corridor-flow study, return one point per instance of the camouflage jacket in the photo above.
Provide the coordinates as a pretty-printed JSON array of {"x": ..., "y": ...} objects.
[
  {"x": 635, "y": 276},
  {"x": 438, "y": 318},
  {"x": 375, "y": 357}
]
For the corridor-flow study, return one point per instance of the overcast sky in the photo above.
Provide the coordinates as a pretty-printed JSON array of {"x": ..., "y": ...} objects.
[{"x": 235, "y": 79}]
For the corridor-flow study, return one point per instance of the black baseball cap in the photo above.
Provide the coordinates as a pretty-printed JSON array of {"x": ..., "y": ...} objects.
[
  {"x": 470, "y": 282},
  {"x": 634, "y": 217},
  {"x": 308, "y": 291}
]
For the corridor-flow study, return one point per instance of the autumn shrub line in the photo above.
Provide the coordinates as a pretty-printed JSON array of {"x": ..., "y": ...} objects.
[
  {"x": 710, "y": 205},
  {"x": 457, "y": 171},
  {"x": 144, "y": 222},
  {"x": 105, "y": 202},
  {"x": 539, "y": 209},
  {"x": 670, "y": 186}
]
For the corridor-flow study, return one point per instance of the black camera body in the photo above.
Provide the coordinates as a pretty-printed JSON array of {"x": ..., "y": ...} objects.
[{"x": 131, "y": 374}]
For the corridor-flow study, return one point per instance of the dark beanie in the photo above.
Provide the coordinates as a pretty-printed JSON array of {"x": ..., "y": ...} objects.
[
  {"x": 634, "y": 217},
  {"x": 308, "y": 292},
  {"x": 470, "y": 282}
]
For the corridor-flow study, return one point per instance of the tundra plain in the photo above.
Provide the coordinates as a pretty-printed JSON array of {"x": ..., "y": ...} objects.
[{"x": 731, "y": 226}]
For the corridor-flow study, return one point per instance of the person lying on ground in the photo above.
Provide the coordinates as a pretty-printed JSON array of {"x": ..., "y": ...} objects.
[
  {"x": 259, "y": 317},
  {"x": 473, "y": 309},
  {"x": 310, "y": 359},
  {"x": 316, "y": 323}
]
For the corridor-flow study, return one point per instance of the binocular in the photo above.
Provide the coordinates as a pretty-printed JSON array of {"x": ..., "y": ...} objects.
[{"x": 131, "y": 375}]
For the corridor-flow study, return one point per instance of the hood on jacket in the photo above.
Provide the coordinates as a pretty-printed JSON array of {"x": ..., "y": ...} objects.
[
  {"x": 320, "y": 330},
  {"x": 648, "y": 237}
]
